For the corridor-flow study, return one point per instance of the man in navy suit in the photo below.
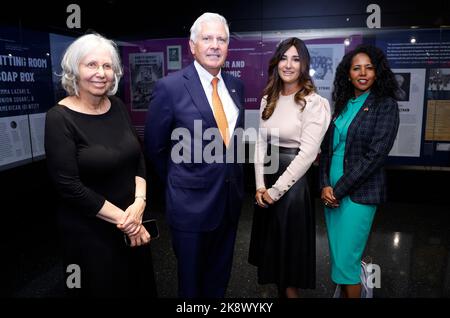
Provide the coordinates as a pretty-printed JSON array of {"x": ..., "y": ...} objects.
[{"x": 193, "y": 145}]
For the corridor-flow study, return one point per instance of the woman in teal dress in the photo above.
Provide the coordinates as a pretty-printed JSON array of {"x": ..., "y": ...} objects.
[{"x": 354, "y": 150}]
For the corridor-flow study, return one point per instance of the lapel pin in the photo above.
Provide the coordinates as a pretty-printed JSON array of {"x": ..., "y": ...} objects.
[
  {"x": 366, "y": 109},
  {"x": 233, "y": 90}
]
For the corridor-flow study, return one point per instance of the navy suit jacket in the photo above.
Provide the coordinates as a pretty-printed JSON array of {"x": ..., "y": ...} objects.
[
  {"x": 198, "y": 194},
  {"x": 370, "y": 138}
]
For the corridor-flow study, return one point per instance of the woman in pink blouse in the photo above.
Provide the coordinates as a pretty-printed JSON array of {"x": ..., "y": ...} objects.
[{"x": 294, "y": 119}]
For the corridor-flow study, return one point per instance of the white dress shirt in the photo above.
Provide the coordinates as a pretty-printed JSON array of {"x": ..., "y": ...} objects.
[{"x": 230, "y": 108}]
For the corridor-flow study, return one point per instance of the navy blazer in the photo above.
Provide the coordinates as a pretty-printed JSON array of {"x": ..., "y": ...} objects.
[
  {"x": 198, "y": 194},
  {"x": 370, "y": 137}
]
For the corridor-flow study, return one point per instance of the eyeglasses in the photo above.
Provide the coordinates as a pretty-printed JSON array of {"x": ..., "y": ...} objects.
[{"x": 94, "y": 66}]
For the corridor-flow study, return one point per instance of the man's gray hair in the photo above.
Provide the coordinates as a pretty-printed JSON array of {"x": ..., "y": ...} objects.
[{"x": 208, "y": 17}]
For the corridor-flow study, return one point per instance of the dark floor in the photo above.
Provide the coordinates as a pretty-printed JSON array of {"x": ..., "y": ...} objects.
[{"x": 410, "y": 243}]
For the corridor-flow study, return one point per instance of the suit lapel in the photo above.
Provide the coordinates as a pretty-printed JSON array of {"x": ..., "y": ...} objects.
[
  {"x": 360, "y": 116},
  {"x": 233, "y": 91},
  {"x": 195, "y": 89}
]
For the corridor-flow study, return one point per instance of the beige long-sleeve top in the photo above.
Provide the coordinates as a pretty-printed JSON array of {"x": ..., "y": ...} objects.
[{"x": 291, "y": 127}]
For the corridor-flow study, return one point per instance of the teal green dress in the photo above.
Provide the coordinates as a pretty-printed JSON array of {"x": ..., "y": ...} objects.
[{"x": 348, "y": 226}]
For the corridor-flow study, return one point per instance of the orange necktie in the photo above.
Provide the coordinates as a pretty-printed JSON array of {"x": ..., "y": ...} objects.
[{"x": 219, "y": 113}]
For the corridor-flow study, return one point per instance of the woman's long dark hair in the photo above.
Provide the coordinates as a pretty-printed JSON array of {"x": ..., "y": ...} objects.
[
  {"x": 384, "y": 85},
  {"x": 275, "y": 83}
]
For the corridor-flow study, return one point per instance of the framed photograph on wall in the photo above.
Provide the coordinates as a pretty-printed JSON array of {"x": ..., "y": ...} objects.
[
  {"x": 174, "y": 57},
  {"x": 145, "y": 70}
]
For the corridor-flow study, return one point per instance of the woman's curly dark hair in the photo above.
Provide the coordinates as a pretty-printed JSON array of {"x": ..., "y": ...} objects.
[
  {"x": 275, "y": 83},
  {"x": 384, "y": 84}
]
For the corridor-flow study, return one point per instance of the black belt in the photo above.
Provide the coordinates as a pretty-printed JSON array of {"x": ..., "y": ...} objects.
[{"x": 286, "y": 150}]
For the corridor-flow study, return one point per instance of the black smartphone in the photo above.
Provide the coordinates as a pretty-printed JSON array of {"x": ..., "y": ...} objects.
[
  {"x": 152, "y": 228},
  {"x": 262, "y": 207}
]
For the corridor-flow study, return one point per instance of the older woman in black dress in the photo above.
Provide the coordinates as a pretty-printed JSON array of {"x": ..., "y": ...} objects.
[{"x": 95, "y": 160}]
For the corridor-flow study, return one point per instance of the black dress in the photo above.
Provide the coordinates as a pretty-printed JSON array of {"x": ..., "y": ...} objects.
[
  {"x": 93, "y": 158},
  {"x": 283, "y": 238}
]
